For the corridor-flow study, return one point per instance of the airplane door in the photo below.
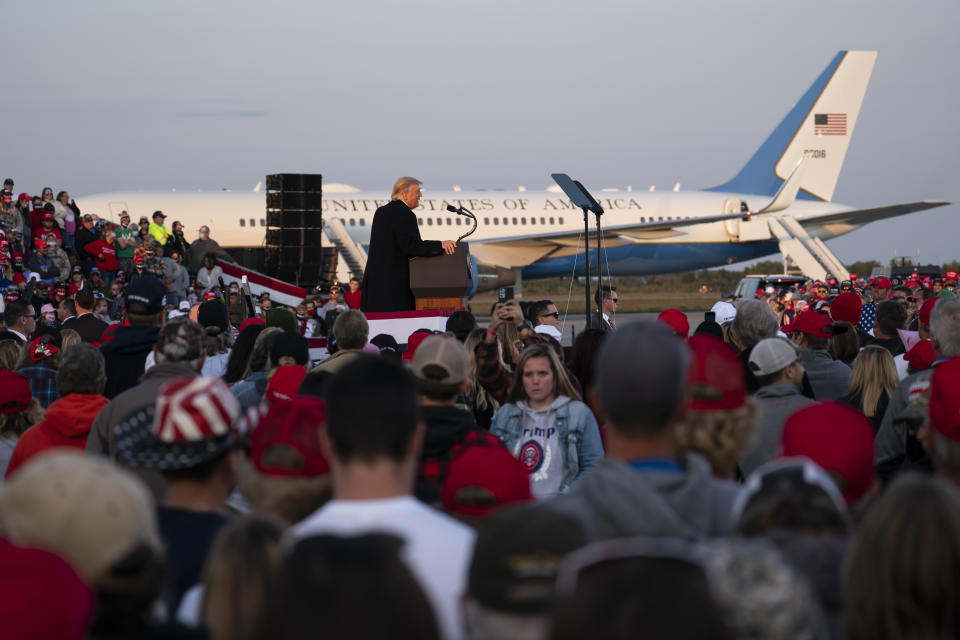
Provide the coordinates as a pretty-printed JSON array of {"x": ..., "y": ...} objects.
[
  {"x": 732, "y": 227},
  {"x": 115, "y": 209}
]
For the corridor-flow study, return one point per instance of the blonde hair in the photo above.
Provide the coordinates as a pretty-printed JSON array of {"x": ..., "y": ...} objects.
[
  {"x": 507, "y": 334},
  {"x": 719, "y": 436},
  {"x": 401, "y": 185},
  {"x": 241, "y": 564},
  {"x": 9, "y": 354},
  {"x": 286, "y": 499},
  {"x": 14, "y": 424},
  {"x": 482, "y": 400},
  {"x": 561, "y": 383},
  {"x": 69, "y": 337},
  {"x": 873, "y": 373}
]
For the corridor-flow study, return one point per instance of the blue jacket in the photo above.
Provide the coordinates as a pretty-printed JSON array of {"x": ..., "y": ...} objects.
[{"x": 576, "y": 428}]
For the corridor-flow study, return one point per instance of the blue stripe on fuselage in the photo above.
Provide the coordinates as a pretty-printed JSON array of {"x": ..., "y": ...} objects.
[{"x": 650, "y": 259}]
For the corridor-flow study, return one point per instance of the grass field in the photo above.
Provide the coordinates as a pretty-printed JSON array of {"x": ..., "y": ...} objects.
[{"x": 630, "y": 301}]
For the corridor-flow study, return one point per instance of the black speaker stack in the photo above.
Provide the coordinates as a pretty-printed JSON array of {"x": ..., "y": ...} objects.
[{"x": 294, "y": 251}]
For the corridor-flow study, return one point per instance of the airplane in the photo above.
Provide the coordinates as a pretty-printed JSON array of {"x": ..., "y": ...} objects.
[{"x": 780, "y": 201}]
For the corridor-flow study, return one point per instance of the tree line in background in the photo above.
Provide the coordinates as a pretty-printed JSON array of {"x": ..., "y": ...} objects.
[{"x": 706, "y": 281}]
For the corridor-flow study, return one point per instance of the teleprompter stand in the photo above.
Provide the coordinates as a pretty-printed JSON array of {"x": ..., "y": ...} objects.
[{"x": 580, "y": 197}]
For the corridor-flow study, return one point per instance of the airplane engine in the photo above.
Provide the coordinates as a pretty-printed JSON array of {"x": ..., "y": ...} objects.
[{"x": 488, "y": 277}]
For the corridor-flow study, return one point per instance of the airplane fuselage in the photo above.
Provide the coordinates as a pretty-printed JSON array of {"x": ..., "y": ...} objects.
[{"x": 238, "y": 219}]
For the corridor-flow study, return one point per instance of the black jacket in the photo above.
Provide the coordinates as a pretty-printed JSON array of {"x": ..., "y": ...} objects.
[
  {"x": 125, "y": 357},
  {"x": 394, "y": 239},
  {"x": 83, "y": 238},
  {"x": 176, "y": 242},
  {"x": 447, "y": 427},
  {"x": 89, "y": 326}
]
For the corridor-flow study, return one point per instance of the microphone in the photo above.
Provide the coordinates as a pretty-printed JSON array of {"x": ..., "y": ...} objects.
[{"x": 460, "y": 211}]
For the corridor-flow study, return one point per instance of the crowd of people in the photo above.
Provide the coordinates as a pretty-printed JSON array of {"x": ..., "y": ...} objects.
[{"x": 787, "y": 468}]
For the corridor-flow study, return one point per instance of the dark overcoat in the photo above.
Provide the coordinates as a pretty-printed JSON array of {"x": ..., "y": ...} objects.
[{"x": 394, "y": 239}]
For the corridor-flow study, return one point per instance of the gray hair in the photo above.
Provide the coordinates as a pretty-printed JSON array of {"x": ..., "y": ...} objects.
[
  {"x": 82, "y": 370},
  {"x": 641, "y": 377},
  {"x": 401, "y": 185},
  {"x": 754, "y": 322},
  {"x": 181, "y": 340},
  {"x": 945, "y": 326},
  {"x": 351, "y": 330},
  {"x": 762, "y": 597}
]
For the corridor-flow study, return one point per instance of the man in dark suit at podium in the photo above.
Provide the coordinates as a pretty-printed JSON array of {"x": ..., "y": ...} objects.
[{"x": 394, "y": 239}]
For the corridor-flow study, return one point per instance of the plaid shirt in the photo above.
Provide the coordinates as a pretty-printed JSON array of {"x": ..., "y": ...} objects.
[
  {"x": 491, "y": 375},
  {"x": 43, "y": 383}
]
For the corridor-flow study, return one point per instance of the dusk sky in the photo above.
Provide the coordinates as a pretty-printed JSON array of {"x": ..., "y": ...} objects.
[{"x": 109, "y": 95}]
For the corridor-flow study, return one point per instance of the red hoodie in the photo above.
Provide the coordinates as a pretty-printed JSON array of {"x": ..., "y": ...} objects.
[
  {"x": 66, "y": 423},
  {"x": 99, "y": 248}
]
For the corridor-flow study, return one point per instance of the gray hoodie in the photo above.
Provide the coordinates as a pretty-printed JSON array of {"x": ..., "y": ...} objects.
[
  {"x": 615, "y": 500},
  {"x": 777, "y": 402}
]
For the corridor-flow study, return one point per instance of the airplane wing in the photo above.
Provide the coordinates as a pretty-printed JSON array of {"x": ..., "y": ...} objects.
[
  {"x": 858, "y": 217},
  {"x": 520, "y": 251}
]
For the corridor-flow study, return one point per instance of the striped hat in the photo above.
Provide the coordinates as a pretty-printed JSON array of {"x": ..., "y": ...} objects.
[{"x": 192, "y": 423}]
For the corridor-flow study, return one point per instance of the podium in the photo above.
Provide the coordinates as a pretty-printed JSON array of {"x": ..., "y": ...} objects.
[{"x": 441, "y": 282}]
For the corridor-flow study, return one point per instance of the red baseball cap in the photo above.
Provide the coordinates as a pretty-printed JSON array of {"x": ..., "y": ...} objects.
[
  {"x": 715, "y": 377},
  {"x": 921, "y": 355},
  {"x": 950, "y": 276},
  {"x": 926, "y": 309},
  {"x": 813, "y": 323},
  {"x": 836, "y": 437},
  {"x": 482, "y": 479},
  {"x": 290, "y": 427},
  {"x": 676, "y": 320},
  {"x": 251, "y": 321},
  {"x": 847, "y": 307},
  {"x": 285, "y": 382},
  {"x": 15, "y": 393},
  {"x": 883, "y": 282},
  {"x": 413, "y": 342},
  {"x": 42, "y": 595},
  {"x": 944, "y": 399}
]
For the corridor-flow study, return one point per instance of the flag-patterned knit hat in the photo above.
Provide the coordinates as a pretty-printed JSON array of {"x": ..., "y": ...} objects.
[{"x": 192, "y": 423}]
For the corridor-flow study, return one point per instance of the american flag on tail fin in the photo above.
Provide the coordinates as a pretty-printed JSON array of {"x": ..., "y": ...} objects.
[{"x": 830, "y": 124}]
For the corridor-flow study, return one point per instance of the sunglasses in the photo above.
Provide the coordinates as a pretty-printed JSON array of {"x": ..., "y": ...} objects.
[{"x": 555, "y": 314}]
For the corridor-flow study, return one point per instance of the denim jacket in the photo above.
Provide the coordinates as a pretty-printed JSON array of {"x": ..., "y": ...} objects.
[{"x": 576, "y": 428}]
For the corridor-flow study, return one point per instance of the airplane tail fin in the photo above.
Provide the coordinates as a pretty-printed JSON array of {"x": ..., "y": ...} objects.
[{"x": 818, "y": 127}]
